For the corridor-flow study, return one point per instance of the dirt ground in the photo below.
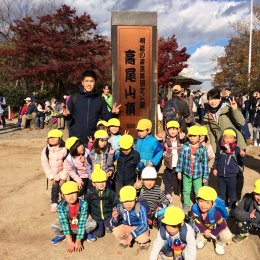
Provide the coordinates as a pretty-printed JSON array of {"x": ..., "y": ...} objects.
[{"x": 25, "y": 208}]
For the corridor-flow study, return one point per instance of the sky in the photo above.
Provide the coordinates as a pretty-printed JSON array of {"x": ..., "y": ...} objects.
[{"x": 203, "y": 26}]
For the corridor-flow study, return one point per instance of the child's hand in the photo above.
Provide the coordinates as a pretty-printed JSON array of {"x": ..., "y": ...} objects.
[
  {"x": 205, "y": 180},
  {"x": 70, "y": 246},
  {"x": 111, "y": 151},
  {"x": 207, "y": 233},
  {"x": 82, "y": 158},
  {"x": 116, "y": 108},
  {"x": 138, "y": 185},
  {"x": 150, "y": 164},
  {"x": 179, "y": 176},
  {"x": 242, "y": 152},
  {"x": 252, "y": 214},
  {"x": 215, "y": 172},
  {"x": 66, "y": 112},
  {"x": 80, "y": 184},
  {"x": 233, "y": 103},
  {"x": 78, "y": 245},
  {"x": 114, "y": 213},
  {"x": 126, "y": 132}
]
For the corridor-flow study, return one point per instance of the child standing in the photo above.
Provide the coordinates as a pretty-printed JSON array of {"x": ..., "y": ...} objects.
[
  {"x": 101, "y": 154},
  {"x": 209, "y": 221},
  {"x": 192, "y": 166},
  {"x": 172, "y": 145},
  {"x": 175, "y": 237},
  {"x": 52, "y": 158},
  {"x": 101, "y": 200},
  {"x": 149, "y": 148},
  {"x": 127, "y": 164},
  {"x": 228, "y": 164},
  {"x": 75, "y": 163},
  {"x": 130, "y": 220},
  {"x": 247, "y": 214},
  {"x": 114, "y": 130},
  {"x": 72, "y": 213}
]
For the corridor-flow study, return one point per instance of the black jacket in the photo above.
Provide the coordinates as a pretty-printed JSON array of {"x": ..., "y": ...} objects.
[
  {"x": 126, "y": 167},
  {"x": 85, "y": 113}
]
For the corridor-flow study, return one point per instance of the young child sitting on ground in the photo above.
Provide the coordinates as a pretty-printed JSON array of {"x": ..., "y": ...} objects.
[
  {"x": 209, "y": 220},
  {"x": 52, "y": 158},
  {"x": 72, "y": 213},
  {"x": 101, "y": 200},
  {"x": 130, "y": 220},
  {"x": 247, "y": 214},
  {"x": 175, "y": 237}
]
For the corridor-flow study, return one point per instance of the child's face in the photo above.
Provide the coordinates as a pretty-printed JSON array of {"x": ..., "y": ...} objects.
[
  {"x": 88, "y": 84},
  {"x": 143, "y": 133},
  {"x": 257, "y": 198},
  {"x": 129, "y": 205},
  {"x": 126, "y": 151},
  {"x": 114, "y": 129},
  {"x": 229, "y": 139},
  {"x": 80, "y": 149},
  {"x": 173, "y": 132},
  {"x": 101, "y": 127},
  {"x": 194, "y": 139},
  {"x": 202, "y": 138},
  {"x": 214, "y": 102},
  {"x": 53, "y": 141},
  {"x": 100, "y": 185},
  {"x": 71, "y": 198},
  {"x": 204, "y": 205},
  {"x": 172, "y": 230},
  {"x": 102, "y": 143},
  {"x": 149, "y": 183}
]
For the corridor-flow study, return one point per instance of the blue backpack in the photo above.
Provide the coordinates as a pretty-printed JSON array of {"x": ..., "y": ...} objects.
[{"x": 219, "y": 206}]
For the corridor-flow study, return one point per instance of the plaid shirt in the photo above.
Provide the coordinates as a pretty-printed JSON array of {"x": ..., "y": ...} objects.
[
  {"x": 63, "y": 214},
  {"x": 200, "y": 165}
]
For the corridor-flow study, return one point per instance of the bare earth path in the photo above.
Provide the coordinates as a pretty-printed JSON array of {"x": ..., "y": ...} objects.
[{"x": 25, "y": 210}]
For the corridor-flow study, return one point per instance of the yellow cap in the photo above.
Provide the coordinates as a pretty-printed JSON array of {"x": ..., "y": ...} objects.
[
  {"x": 194, "y": 130},
  {"x": 207, "y": 193},
  {"x": 144, "y": 124},
  {"x": 174, "y": 124},
  {"x": 113, "y": 122},
  {"x": 102, "y": 122},
  {"x": 203, "y": 130},
  {"x": 98, "y": 176},
  {"x": 101, "y": 134},
  {"x": 127, "y": 193},
  {"x": 229, "y": 132},
  {"x": 69, "y": 187},
  {"x": 126, "y": 141},
  {"x": 257, "y": 186},
  {"x": 173, "y": 216},
  {"x": 55, "y": 133},
  {"x": 70, "y": 142},
  {"x": 176, "y": 88}
]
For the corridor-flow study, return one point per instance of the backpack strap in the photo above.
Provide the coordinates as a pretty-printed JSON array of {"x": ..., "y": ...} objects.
[
  {"x": 121, "y": 209},
  {"x": 183, "y": 234},
  {"x": 211, "y": 216},
  {"x": 137, "y": 208},
  {"x": 70, "y": 161},
  {"x": 163, "y": 232}
]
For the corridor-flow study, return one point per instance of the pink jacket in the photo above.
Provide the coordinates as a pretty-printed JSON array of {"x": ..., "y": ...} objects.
[
  {"x": 53, "y": 168},
  {"x": 77, "y": 170}
]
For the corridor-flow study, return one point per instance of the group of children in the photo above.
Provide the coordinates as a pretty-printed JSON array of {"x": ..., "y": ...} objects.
[{"x": 112, "y": 188}]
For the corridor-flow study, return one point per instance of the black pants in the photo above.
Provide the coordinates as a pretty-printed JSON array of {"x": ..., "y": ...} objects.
[
  {"x": 168, "y": 179},
  {"x": 55, "y": 190},
  {"x": 3, "y": 120},
  {"x": 240, "y": 184},
  {"x": 83, "y": 190}
]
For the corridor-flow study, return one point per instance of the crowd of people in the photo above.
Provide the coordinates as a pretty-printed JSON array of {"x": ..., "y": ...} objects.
[{"x": 108, "y": 181}]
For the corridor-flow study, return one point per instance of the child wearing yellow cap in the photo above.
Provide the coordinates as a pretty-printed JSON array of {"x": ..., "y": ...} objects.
[
  {"x": 101, "y": 200},
  {"x": 175, "y": 238},
  {"x": 130, "y": 220},
  {"x": 247, "y": 214},
  {"x": 208, "y": 213},
  {"x": 52, "y": 158},
  {"x": 228, "y": 164},
  {"x": 73, "y": 214}
]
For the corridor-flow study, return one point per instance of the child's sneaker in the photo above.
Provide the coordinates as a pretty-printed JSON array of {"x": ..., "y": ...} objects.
[
  {"x": 91, "y": 238},
  {"x": 201, "y": 243},
  {"x": 108, "y": 230},
  {"x": 56, "y": 240},
  {"x": 54, "y": 207},
  {"x": 239, "y": 238},
  {"x": 219, "y": 249},
  {"x": 169, "y": 197}
]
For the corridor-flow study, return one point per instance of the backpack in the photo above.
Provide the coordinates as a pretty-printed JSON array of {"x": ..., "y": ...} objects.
[
  {"x": 4, "y": 106},
  {"x": 219, "y": 206},
  {"x": 172, "y": 111},
  {"x": 241, "y": 168}
]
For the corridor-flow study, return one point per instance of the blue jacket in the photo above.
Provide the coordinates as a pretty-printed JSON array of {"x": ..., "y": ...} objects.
[
  {"x": 150, "y": 150},
  {"x": 87, "y": 110},
  {"x": 130, "y": 218}
]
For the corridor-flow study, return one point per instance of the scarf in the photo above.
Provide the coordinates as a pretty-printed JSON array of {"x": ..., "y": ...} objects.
[
  {"x": 212, "y": 110},
  {"x": 228, "y": 148}
]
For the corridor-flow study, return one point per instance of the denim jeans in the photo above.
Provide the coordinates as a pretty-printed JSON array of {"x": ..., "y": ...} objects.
[
  {"x": 39, "y": 121},
  {"x": 245, "y": 131},
  {"x": 101, "y": 225}
]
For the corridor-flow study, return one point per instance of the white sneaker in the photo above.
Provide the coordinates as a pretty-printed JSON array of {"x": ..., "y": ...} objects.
[
  {"x": 255, "y": 143},
  {"x": 201, "y": 243},
  {"x": 219, "y": 249}
]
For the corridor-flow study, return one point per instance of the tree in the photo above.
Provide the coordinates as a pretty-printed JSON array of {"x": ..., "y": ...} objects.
[
  {"x": 232, "y": 68},
  {"x": 54, "y": 49},
  {"x": 171, "y": 61}
]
